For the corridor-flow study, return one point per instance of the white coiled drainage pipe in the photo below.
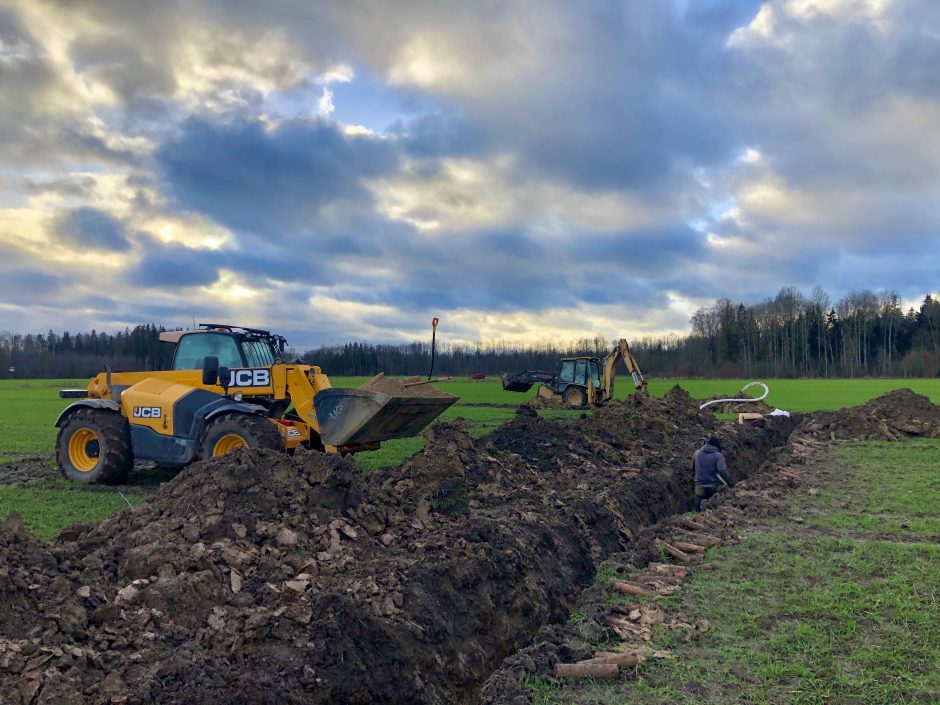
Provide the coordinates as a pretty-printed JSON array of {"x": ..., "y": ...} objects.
[{"x": 741, "y": 391}]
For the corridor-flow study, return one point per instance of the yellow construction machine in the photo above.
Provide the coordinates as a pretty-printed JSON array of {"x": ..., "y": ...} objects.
[
  {"x": 579, "y": 381},
  {"x": 229, "y": 387}
]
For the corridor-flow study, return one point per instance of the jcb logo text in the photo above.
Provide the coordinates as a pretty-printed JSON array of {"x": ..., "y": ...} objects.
[
  {"x": 147, "y": 412},
  {"x": 249, "y": 378}
]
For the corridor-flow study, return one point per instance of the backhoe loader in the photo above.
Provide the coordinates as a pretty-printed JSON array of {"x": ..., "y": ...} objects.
[
  {"x": 579, "y": 381},
  {"x": 228, "y": 388}
]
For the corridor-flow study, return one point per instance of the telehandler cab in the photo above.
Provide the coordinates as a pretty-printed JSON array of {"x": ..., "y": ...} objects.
[
  {"x": 579, "y": 381},
  {"x": 229, "y": 388}
]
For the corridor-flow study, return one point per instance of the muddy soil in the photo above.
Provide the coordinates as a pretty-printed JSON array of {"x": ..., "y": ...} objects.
[
  {"x": 893, "y": 416},
  {"x": 40, "y": 470},
  {"x": 739, "y": 407},
  {"x": 29, "y": 470},
  {"x": 897, "y": 415},
  {"x": 412, "y": 387},
  {"x": 260, "y": 578},
  {"x": 540, "y": 402}
]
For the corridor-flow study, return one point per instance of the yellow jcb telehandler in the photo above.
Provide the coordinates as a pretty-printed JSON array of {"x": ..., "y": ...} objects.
[
  {"x": 228, "y": 388},
  {"x": 579, "y": 381}
]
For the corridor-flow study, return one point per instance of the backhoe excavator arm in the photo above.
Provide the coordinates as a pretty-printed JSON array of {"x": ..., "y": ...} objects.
[{"x": 621, "y": 352}]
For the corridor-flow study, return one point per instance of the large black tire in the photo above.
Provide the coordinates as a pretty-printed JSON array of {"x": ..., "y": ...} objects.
[
  {"x": 231, "y": 431},
  {"x": 94, "y": 446},
  {"x": 575, "y": 397}
]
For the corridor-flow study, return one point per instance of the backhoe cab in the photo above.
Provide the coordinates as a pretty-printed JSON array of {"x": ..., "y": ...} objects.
[
  {"x": 229, "y": 387},
  {"x": 579, "y": 381}
]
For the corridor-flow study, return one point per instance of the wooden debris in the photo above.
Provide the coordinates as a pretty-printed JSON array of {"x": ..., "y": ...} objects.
[
  {"x": 587, "y": 669},
  {"x": 622, "y": 586},
  {"x": 676, "y": 571},
  {"x": 621, "y": 660},
  {"x": 699, "y": 539},
  {"x": 692, "y": 525},
  {"x": 672, "y": 550},
  {"x": 689, "y": 547}
]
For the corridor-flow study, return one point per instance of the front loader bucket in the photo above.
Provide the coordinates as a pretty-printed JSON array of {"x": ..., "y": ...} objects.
[
  {"x": 511, "y": 384},
  {"x": 354, "y": 416}
]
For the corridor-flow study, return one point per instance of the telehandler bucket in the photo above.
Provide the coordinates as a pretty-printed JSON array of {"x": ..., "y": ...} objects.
[{"x": 354, "y": 416}]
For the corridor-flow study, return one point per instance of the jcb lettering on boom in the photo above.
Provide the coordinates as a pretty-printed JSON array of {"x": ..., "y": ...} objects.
[
  {"x": 250, "y": 378},
  {"x": 147, "y": 412}
]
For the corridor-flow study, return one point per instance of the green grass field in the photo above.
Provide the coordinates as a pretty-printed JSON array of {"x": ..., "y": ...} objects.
[
  {"x": 28, "y": 409},
  {"x": 836, "y": 603}
]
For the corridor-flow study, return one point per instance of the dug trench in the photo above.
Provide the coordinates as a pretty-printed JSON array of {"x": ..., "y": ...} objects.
[{"x": 261, "y": 578}]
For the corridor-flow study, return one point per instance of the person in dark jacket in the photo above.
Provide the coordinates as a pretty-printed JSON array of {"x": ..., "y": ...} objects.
[{"x": 710, "y": 469}]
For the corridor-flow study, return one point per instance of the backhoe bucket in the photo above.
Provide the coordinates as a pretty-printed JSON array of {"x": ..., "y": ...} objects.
[{"x": 355, "y": 416}]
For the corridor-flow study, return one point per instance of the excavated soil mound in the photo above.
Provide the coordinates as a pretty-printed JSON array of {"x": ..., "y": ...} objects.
[
  {"x": 738, "y": 407},
  {"x": 540, "y": 402},
  {"x": 898, "y": 414},
  {"x": 413, "y": 387},
  {"x": 260, "y": 578}
]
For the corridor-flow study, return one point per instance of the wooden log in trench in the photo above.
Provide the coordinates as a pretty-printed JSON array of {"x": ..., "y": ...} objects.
[
  {"x": 689, "y": 547},
  {"x": 625, "y": 588},
  {"x": 621, "y": 660},
  {"x": 587, "y": 669},
  {"x": 672, "y": 550},
  {"x": 692, "y": 525}
]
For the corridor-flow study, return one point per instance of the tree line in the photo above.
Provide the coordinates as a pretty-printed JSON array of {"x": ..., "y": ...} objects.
[
  {"x": 864, "y": 334},
  {"x": 67, "y": 355},
  {"x": 793, "y": 334}
]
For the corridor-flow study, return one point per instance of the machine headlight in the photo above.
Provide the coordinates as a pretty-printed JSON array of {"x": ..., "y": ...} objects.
[{"x": 237, "y": 396}]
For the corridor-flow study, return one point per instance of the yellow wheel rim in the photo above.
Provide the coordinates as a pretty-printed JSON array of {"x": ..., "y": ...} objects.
[
  {"x": 228, "y": 443},
  {"x": 84, "y": 449}
]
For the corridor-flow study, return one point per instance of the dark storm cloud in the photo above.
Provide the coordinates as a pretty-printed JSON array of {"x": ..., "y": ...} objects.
[
  {"x": 653, "y": 103},
  {"x": 24, "y": 287},
  {"x": 91, "y": 228},
  {"x": 498, "y": 271},
  {"x": 271, "y": 182},
  {"x": 172, "y": 266}
]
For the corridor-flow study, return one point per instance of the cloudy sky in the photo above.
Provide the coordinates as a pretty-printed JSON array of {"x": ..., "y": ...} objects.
[{"x": 524, "y": 170}]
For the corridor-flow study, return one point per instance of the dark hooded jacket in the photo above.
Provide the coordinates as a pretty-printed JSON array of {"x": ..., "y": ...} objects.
[{"x": 709, "y": 463}]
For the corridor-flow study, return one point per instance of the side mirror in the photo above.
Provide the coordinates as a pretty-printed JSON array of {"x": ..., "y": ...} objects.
[
  {"x": 223, "y": 378},
  {"x": 210, "y": 370}
]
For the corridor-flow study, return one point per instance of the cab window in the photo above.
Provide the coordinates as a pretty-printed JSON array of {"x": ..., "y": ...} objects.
[
  {"x": 567, "y": 371},
  {"x": 191, "y": 350},
  {"x": 257, "y": 353},
  {"x": 596, "y": 374},
  {"x": 580, "y": 372}
]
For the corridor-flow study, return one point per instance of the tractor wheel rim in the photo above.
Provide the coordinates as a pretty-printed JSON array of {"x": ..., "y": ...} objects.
[
  {"x": 84, "y": 450},
  {"x": 228, "y": 443}
]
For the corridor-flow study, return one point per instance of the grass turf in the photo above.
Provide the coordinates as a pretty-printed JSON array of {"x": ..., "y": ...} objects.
[
  {"x": 50, "y": 506},
  {"x": 28, "y": 408},
  {"x": 810, "y": 612}
]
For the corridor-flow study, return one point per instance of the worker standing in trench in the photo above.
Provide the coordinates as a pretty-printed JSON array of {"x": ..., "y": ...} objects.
[{"x": 710, "y": 470}]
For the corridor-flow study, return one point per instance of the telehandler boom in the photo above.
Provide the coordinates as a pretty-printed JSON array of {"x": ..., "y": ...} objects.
[{"x": 229, "y": 388}]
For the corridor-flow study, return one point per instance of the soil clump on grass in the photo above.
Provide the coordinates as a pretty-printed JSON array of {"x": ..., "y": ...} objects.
[
  {"x": 411, "y": 387},
  {"x": 28, "y": 470},
  {"x": 259, "y": 577}
]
